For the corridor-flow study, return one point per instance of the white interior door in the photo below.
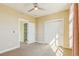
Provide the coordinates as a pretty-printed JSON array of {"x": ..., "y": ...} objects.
[
  {"x": 31, "y": 32},
  {"x": 54, "y": 30}
]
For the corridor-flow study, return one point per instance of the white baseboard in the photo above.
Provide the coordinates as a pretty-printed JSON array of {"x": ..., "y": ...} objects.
[
  {"x": 9, "y": 49},
  {"x": 29, "y": 42},
  {"x": 41, "y": 42}
]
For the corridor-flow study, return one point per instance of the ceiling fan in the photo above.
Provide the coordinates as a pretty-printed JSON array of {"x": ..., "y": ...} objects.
[{"x": 35, "y": 7}]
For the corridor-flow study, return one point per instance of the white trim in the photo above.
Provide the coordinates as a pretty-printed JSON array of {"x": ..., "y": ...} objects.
[
  {"x": 6, "y": 50},
  {"x": 41, "y": 42},
  {"x": 28, "y": 42}
]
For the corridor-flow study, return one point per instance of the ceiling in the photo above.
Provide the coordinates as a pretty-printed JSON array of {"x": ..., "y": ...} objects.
[{"x": 50, "y": 8}]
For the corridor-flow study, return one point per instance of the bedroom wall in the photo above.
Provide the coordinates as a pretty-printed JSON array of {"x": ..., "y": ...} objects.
[
  {"x": 9, "y": 35},
  {"x": 60, "y": 15},
  {"x": 9, "y": 28}
]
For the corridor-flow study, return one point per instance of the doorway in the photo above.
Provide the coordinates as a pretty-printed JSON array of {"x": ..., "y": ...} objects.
[{"x": 25, "y": 32}]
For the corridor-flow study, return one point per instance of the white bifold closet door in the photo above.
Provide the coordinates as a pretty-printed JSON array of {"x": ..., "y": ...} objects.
[{"x": 54, "y": 31}]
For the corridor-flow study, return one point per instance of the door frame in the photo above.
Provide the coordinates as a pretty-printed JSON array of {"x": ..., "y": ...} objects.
[
  {"x": 21, "y": 34},
  {"x": 30, "y": 33}
]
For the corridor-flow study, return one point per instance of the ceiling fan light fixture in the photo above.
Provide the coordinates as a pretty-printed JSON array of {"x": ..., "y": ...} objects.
[{"x": 36, "y": 8}]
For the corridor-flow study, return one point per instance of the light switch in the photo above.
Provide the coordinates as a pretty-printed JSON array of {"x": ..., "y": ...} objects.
[{"x": 13, "y": 31}]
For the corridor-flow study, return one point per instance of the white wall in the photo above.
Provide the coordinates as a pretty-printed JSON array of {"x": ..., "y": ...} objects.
[{"x": 9, "y": 34}]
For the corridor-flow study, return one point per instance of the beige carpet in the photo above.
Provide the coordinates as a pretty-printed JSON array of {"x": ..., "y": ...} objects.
[{"x": 34, "y": 49}]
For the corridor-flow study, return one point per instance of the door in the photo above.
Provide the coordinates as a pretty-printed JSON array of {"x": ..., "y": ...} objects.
[
  {"x": 31, "y": 33},
  {"x": 54, "y": 32}
]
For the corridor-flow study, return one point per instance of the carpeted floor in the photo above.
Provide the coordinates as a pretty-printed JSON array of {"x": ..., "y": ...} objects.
[{"x": 34, "y": 49}]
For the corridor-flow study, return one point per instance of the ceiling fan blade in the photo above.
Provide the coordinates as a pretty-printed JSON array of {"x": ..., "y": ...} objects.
[
  {"x": 41, "y": 8},
  {"x": 30, "y": 10},
  {"x": 35, "y": 4},
  {"x": 36, "y": 7}
]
